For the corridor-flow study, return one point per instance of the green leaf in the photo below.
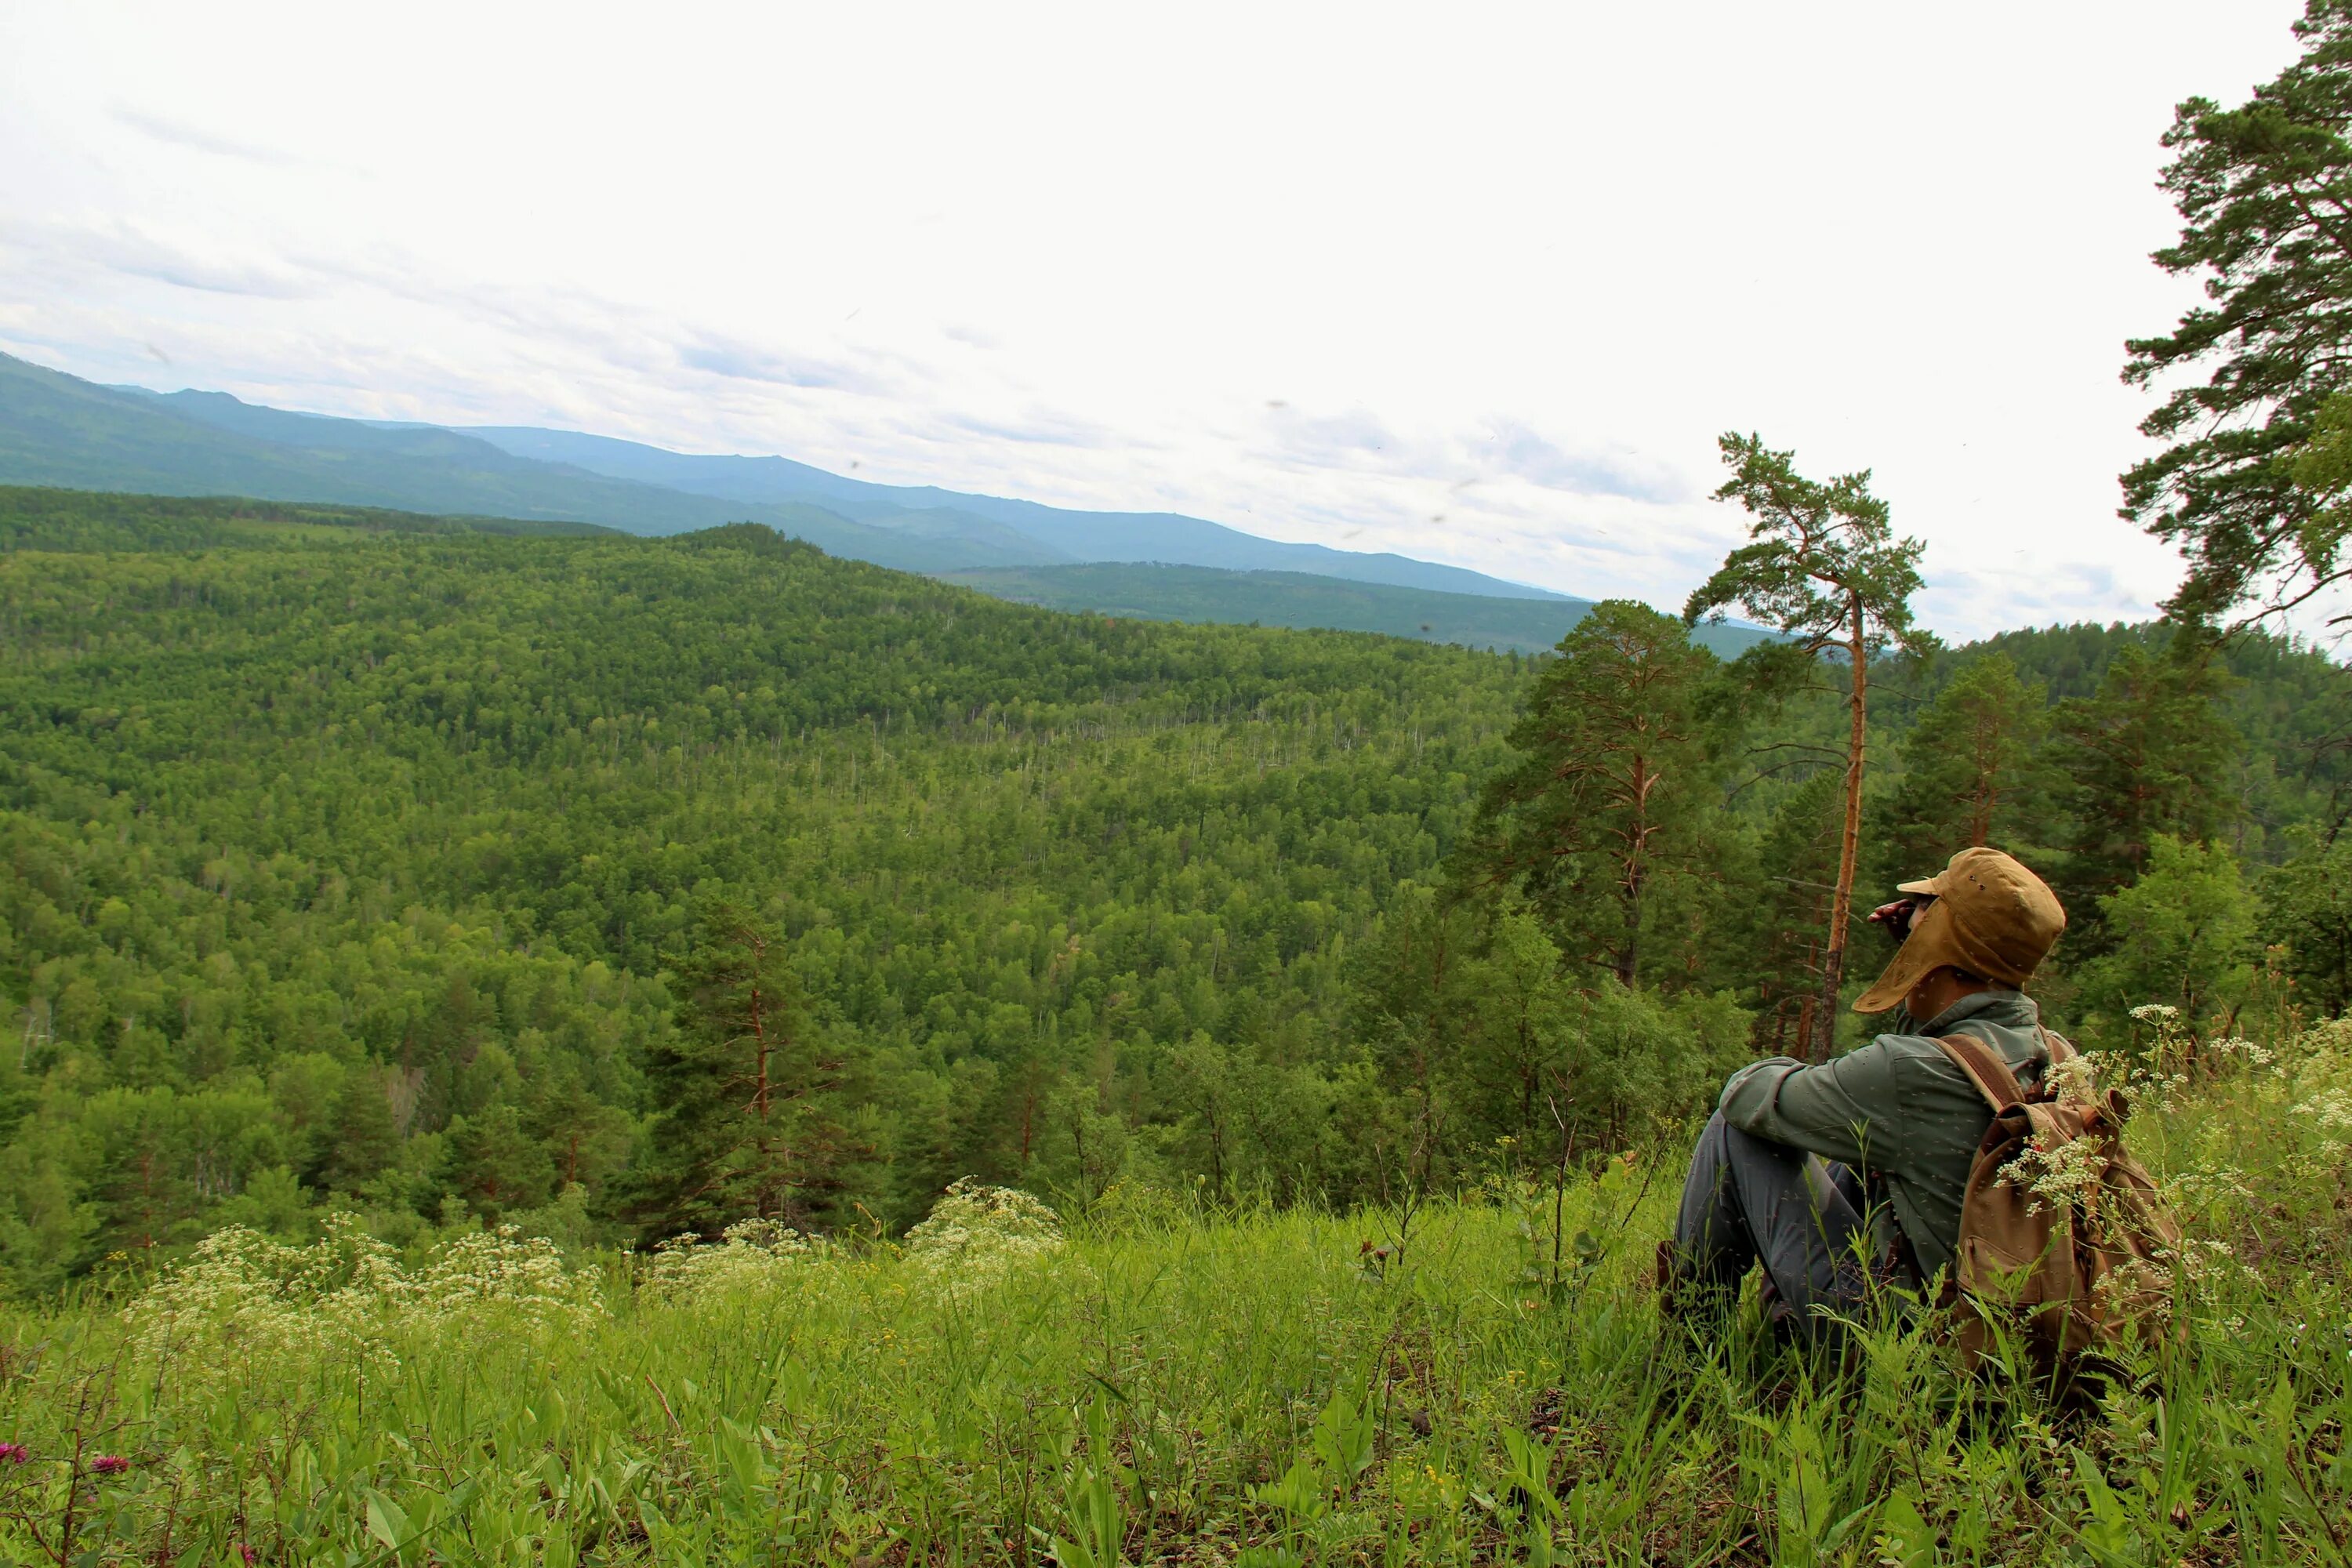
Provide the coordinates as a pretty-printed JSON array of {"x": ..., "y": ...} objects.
[{"x": 386, "y": 1521}]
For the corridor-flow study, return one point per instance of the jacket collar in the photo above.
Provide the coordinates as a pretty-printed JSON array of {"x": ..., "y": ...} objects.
[{"x": 2002, "y": 1009}]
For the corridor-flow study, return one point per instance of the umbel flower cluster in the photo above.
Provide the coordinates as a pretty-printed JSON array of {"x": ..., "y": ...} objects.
[
  {"x": 976, "y": 1234},
  {"x": 241, "y": 1296},
  {"x": 751, "y": 1254}
]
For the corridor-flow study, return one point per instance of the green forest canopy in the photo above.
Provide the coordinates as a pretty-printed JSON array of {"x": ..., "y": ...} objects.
[{"x": 352, "y": 856}]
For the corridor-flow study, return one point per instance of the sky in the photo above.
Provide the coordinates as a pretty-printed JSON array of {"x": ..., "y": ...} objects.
[{"x": 1478, "y": 284}]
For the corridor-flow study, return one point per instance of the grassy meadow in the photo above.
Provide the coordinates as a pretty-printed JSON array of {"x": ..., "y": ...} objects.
[{"x": 1475, "y": 1380}]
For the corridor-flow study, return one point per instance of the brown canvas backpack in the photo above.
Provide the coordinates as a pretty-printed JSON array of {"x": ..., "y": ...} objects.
[{"x": 2065, "y": 1244}]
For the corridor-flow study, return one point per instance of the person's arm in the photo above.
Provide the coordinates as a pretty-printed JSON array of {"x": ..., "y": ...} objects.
[{"x": 1843, "y": 1109}]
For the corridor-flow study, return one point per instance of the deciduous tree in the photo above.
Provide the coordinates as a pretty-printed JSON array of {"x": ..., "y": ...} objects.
[{"x": 2307, "y": 914}]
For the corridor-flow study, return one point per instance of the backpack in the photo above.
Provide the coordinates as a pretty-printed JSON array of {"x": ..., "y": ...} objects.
[{"x": 2064, "y": 1242}]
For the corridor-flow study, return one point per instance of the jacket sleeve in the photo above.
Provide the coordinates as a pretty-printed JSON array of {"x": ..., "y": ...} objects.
[{"x": 1844, "y": 1110}]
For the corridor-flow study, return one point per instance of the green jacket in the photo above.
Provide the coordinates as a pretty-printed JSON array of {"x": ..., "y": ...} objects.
[{"x": 1898, "y": 1107}]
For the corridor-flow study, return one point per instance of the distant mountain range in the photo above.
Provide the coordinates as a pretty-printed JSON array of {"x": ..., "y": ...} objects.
[{"x": 58, "y": 429}]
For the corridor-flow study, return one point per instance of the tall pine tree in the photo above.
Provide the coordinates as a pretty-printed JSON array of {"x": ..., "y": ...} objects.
[
  {"x": 1824, "y": 566},
  {"x": 1971, "y": 773},
  {"x": 748, "y": 1090},
  {"x": 2150, "y": 754},
  {"x": 1615, "y": 783},
  {"x": 2253, "y": 480}
]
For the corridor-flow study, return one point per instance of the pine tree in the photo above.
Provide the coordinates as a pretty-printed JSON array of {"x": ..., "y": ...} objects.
[
  {"x": 2253, "y": 481},
  {"x": 361, "y": 1140},
  {"x": 1797, "y": 867},
  {"x": 747, "y": 1092},
  {"x": 2149, "y": 755},
  {"x": 496, "y": 1165},
  {"x": 1614, "y": 785},
  {"x": 1824, "y": 567},
  {"x": 1970, "y": 767}
]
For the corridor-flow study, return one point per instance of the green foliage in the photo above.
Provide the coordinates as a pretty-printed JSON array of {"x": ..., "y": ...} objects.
[
  {"x": 2146, "y": 757},
  {"x": 2181, "y": 935},
  {"x": 318, "y": 808},
  {"x": 1615, "y": 784},
  {"x": 1968, "y": 766},
  {"x": 1485, "y": 1042},
  {"x": 2306, "y": 920},
  {"x": 1163, "y": 1392},
  {"x": 2250, "y": 482}
]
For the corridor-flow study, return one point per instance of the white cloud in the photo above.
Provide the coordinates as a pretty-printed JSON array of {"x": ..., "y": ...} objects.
[{"x": 1480, "y": 285}]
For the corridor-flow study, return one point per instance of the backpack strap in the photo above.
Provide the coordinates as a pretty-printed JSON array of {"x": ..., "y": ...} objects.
[
  {"x": 1986, "y": 1070},
  {"x": 2060, "y": 1047}
]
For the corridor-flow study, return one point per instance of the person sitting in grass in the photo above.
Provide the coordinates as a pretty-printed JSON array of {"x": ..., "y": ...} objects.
[{"x": 1841, "y": 1177}]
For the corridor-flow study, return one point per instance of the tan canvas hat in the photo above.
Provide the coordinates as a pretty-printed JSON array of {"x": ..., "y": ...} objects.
[{"x": 1991, "y": 917}]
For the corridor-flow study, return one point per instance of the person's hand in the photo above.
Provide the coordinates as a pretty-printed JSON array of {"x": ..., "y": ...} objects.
[{"x": 1897, "y": 918}]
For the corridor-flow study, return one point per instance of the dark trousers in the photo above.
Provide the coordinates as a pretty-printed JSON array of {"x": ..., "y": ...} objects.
[{"x": 1748, "y": 1200}]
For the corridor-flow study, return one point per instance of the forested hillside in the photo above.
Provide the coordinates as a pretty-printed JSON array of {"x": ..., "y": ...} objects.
[
  {"x": 407, "y": 866},
  {"x": 1164, "y": 593}
]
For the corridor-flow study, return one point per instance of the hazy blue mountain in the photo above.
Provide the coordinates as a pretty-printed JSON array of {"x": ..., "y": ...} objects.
[
  {"x": 58, "y": 429},
  {"x": 1077, "y": 536},
  {"x": 1162, "y": 593}
]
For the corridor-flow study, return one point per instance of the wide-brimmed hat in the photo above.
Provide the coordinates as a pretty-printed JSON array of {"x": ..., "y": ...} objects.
[{"x": 1991, "y": 917}]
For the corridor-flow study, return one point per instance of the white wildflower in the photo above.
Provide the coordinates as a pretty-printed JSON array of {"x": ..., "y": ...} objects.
[
  {"x": 2256, "y": 1055},
  {"x": 2331, "y": 1108},
  {"x": 976, "y": 1234},
  {"x": 242, "y": 1302},
  {"x": 2075, "y": 1081},
  {"x": 2056, "y": 1173},
  {"x": 503, "y": 1270},
  {"x": 752, "y": 1254},
  {"x": 2204, "y": 1259}
]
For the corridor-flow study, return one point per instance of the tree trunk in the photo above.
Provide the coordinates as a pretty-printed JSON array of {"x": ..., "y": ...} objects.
[
  {"x": 1630, "y": 954},
  {"x": 1848, "y": 850}
]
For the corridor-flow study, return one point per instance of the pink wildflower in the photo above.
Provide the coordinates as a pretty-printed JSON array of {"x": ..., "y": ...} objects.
[
  {"x": 109, "y": 1464},
  {"x": 249, "y": 1555},
  {"x": 12, "y": 1453}
]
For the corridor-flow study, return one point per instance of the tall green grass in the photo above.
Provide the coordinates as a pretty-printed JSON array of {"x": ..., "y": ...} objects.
[{"x": 1482, "y": 1379}]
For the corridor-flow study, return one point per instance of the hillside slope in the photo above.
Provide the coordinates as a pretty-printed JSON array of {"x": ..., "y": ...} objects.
[
  {"x": 1164, "y": 593},
  {"x": 352, "y": 856},
  {"x": 1128, "y": 537},
  {"x": 433, "y": 809}
]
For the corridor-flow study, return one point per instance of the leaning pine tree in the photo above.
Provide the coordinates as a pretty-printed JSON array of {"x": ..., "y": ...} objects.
[{"x": 1824, "y": 568}]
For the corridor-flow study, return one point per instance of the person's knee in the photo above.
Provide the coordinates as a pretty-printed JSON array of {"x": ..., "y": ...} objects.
[
  {"x": 1747, "y": 1148},
  {"x": 1712, "y": 1134}
]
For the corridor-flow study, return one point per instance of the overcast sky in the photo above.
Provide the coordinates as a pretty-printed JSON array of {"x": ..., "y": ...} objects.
[{"x": 1478, "y": 284}]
